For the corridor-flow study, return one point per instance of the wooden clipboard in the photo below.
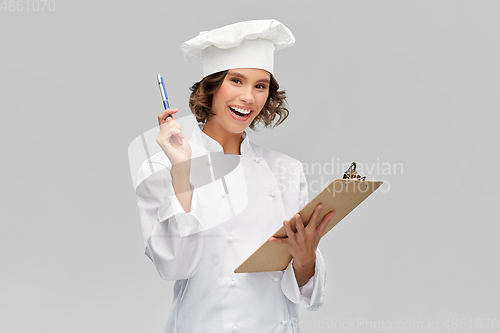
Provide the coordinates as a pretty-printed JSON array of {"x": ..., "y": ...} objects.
[{"x": 340, "y": 195}]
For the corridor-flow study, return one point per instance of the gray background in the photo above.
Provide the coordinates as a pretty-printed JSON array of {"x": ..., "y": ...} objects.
[{"x": 383, "y": 83}]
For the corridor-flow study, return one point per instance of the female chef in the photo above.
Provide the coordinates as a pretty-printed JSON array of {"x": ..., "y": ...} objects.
[{"x": 196, "y": 235}]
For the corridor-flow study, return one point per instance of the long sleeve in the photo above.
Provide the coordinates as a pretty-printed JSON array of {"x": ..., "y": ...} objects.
[
  {"x": 312, "y": 294},
  {"x": 167, "y": 229}
]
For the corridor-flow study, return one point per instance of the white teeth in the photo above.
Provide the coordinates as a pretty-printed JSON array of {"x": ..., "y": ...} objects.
[{"x": 240, "y": 110}]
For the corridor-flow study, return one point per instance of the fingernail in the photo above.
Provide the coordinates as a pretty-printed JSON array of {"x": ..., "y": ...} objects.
[{"x": 320, "y": 206}]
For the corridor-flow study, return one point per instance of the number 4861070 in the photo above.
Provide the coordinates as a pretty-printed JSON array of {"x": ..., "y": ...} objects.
[{"x": 28, "y": 5}]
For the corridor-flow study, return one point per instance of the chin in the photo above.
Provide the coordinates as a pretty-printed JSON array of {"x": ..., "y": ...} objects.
[{"x": 236, "y": 129}]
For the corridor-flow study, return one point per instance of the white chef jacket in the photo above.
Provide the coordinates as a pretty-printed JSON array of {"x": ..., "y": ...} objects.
[{"x": 208, "y": 295}]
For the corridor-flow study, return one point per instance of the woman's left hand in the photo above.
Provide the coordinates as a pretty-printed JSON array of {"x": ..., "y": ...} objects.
[{"x": 302, "y": 244}]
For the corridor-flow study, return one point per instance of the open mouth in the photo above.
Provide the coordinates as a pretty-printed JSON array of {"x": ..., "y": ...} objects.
[{"x": 240, "y": 112}]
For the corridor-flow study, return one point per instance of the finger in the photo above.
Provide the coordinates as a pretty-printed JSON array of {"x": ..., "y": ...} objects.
[
  {"x": 277, "y": 240},
  {"x": 299, "y": 224},
  {"x": 174, "y": 127},
  {"x": 177, "y": 134},
  {"x": 288, "y": 229},
  {"x": 180, "y": 135},
  {"x": 163, "y": 117},
  {"x": 170, "y": 128},
  {"x": 165, "y": 113},
  {"x": 313, "y": 222},
  {"x": 172, "y": 122},
  {"x": 326, "y": 219},
  {"x": 167, "y": 136}
]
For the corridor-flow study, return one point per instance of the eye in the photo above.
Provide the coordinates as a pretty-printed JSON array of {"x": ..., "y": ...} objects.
[
  {"x": 235, "y": 80},
  {"x": 261, "y": 86}
]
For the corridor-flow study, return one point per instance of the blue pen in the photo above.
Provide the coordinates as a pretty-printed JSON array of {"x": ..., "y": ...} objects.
[{"x": 163, "y": 92}]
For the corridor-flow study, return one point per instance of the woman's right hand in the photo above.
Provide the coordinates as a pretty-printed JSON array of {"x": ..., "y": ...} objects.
[{"x": 171, "y": 139}]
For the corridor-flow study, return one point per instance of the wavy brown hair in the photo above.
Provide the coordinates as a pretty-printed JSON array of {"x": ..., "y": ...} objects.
[{"x": 202, "y": 93}]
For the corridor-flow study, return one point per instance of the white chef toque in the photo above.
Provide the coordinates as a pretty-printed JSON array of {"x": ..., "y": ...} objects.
[{"x": 248, "y": 44}]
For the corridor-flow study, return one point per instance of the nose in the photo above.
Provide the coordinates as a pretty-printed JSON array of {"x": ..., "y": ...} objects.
[{"x": 247, "y": 95}]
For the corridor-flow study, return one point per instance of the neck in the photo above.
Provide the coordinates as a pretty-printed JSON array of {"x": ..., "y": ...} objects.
[{"x": 230, "y": 142}]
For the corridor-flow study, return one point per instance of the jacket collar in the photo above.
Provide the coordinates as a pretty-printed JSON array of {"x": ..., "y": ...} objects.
[{"x": 204, "y": 141}]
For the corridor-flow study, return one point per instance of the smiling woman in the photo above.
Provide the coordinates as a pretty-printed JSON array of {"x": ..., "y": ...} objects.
[
  {"x": 197, "y": 236},
  {"x": 200, "y": 101},
  {"x": 237, "y": 102}
]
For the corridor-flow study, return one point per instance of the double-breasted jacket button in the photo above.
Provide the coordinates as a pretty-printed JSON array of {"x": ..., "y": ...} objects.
[
  {"x": 235, "y": 328},
  {"x": 272, "y": 194},
  {"x": 283, "y": 322},
  {"x": 256, "y": 160},
  {"x": 230, "y": 239}
]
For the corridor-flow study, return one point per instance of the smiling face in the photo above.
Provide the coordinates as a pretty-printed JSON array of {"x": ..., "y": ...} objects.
[{"x": 239, "y": 99}]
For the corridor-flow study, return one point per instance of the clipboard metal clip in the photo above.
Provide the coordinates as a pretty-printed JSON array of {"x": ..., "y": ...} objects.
[{"x": 352, "y": 174}]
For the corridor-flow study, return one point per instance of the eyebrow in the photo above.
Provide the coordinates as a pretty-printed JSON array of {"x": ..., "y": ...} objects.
[{"x": 241, "y": 76}]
